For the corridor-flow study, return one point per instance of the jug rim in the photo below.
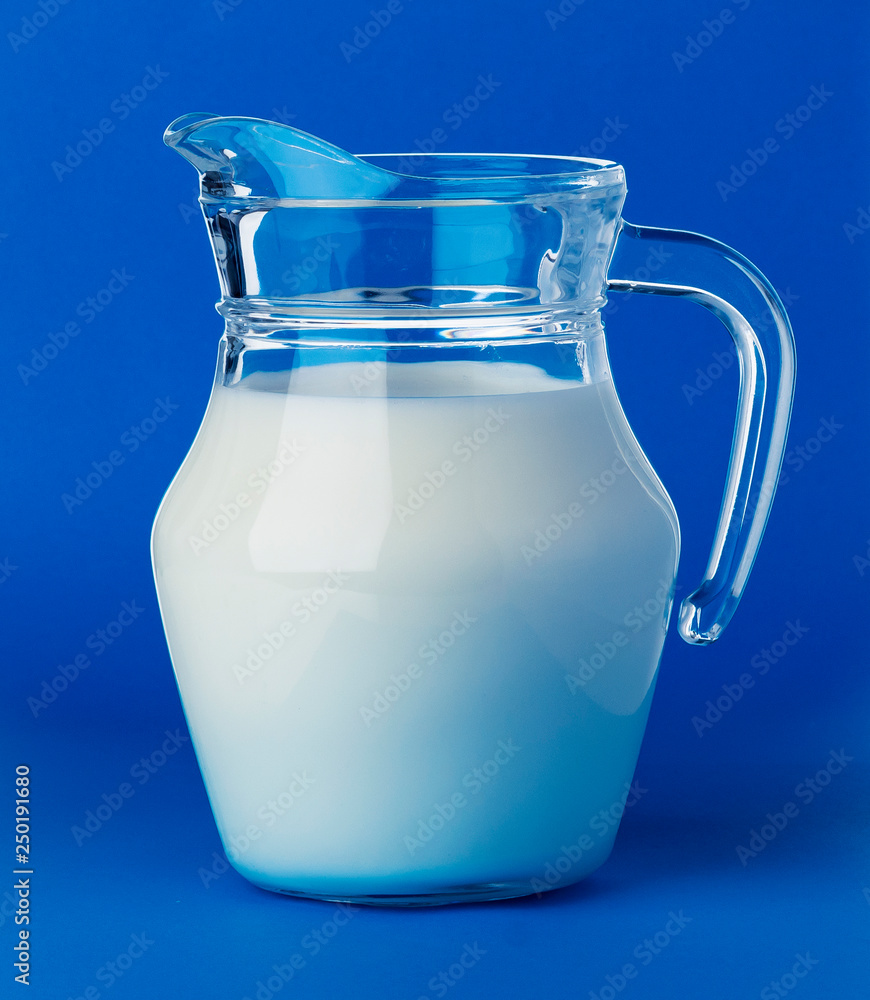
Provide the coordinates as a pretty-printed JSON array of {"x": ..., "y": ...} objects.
[
  {"x": 498, "y": 175},
  {"x": 590, "y": 165}
]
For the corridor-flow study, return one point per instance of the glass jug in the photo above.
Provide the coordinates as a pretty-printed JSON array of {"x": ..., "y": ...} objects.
[{"x": 416, "y": 572}]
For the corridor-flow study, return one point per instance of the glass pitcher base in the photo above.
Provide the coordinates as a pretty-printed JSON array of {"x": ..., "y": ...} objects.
[{"x": 479, "y": 893}]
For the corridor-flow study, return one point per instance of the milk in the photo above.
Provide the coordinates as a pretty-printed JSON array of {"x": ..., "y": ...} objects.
[{"x": 415, "y": 614}]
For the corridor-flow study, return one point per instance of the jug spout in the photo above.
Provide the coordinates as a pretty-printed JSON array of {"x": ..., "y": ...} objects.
[{"x": 253, "y": 158}]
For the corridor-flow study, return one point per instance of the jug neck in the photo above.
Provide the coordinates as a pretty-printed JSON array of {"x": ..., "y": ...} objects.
[
  {"x": 303, "y": 228},
  {"x": 268, "y": 364}
]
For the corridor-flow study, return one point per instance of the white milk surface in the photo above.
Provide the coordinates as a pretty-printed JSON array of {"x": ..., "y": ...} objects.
[{"x": 415, "y": 636}]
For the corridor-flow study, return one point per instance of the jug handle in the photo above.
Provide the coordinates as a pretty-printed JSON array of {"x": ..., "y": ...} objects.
[{"x": 703, "y": 270}]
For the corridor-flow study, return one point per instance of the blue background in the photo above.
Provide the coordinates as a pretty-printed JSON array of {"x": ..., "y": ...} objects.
[{"x": 130, "y": 205}]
